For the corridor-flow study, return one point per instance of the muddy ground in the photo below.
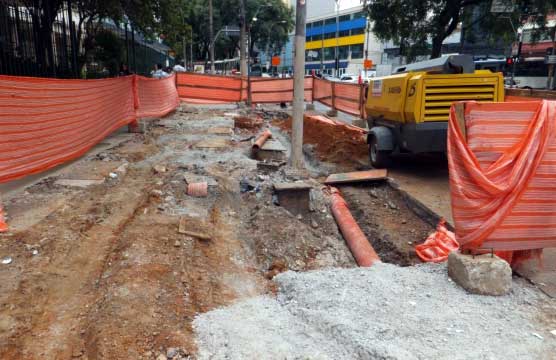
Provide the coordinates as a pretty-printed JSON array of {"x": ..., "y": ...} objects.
[{"x": 102, "y": 272}]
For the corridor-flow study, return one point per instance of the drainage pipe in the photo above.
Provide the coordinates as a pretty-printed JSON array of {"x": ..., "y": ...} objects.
[
  {"x": 357, "y": 242},
  {"x": 261, "y": 140}
]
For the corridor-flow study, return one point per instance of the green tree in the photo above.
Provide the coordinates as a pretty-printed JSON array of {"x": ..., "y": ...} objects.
[
  {"x": 412, "y": 24},
  {"x": 274, "y": 22}
]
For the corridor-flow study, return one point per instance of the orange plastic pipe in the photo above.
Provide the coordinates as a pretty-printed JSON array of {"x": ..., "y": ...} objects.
[
  {"x": 3, "y": 224},
  {"x": 262, "y": 139},
  {"x": 357, "y": 242}
]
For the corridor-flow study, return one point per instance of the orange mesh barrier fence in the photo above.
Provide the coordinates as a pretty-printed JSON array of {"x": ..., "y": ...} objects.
[
  {"x": 156, "y": 97},
  {"x": 322, "y": 91},
  {"x": 45, "y": 122},
  {"x": 265, "y": 90},
  {"x": 347, "y": 98},
  {"x": 213, "y": 88},
  {"x": 503, "y": 175}
]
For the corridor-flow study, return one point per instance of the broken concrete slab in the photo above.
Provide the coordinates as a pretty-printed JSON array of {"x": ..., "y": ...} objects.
[
  {"x": 220, "y": 130},
  {"x": 357, "y": 176},
  {"x": 273, "y": 145},
  {"x": 270, "y": 166},
  {"x": 80, "y": 183},
  {"x": 191, "y": 178},
  {"x": 481, "y": 274},
  {"x": 295, "y": 197},
  {"x": 213, "y": 143},
  {"x": 271, "y": 150}
]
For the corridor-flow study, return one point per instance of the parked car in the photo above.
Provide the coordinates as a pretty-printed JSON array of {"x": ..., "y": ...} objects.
[{"x": 349, "y": 78}]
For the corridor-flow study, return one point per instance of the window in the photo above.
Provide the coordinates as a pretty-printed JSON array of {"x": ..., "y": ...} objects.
[
  {"x": 357, "y": 31},
  {"x": 345, "y": 18},
  {"x": 330, "y": 21},
  {"x": 343, "y": 33},
  {"x": 356, "y": 51},
  {"x": 312, "y": 55},
  {"x": 359, "y": 15},
  {"x": 329, "y": 53},
  {"x": 330, "y": 35},
  {"x": 308, "y": 38},
  {"x": 343, "y": 52}
]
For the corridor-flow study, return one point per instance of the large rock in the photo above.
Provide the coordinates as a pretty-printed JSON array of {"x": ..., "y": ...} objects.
[{"x": 481, "y": 274}]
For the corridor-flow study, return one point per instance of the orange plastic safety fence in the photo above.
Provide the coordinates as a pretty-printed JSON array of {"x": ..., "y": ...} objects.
[
  {"x": 322, "y": 91},
  {"x": 156, "y": 97},
  {"x": 277, "y": 90},
  {"x": 503, "y": 175},
  {"x": 347, "y": 98},
  {"x": 45, "y": 122},
  {"x": 223, "y": 89}
]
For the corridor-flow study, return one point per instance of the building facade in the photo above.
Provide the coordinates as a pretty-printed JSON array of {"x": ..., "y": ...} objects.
[
  {"x": 333, "y": 31},
  {"x": 338, "y": 31}
]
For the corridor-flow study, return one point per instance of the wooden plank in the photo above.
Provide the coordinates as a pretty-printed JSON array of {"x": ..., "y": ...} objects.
[
  {"x": 294, "y": 186},
  {"x": 357, "y": 176},
  {"x": 460, "y": 118}
]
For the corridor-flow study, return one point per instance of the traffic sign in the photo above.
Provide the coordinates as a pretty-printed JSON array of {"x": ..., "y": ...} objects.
[
  {"x": 368, "y": 64},
  {"x": 275, "y": 60}
]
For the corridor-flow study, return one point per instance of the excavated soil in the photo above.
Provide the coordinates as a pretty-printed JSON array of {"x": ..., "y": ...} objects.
[{"x": 332, "y": 142}]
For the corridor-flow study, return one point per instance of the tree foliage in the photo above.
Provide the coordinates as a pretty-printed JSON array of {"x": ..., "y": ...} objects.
[
  {"x": 270, "y": 31},
  {"x": 420, "y": 26}
]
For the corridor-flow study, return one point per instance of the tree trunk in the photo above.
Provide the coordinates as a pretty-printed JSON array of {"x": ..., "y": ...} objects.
[{"x": 436, "y": 50}]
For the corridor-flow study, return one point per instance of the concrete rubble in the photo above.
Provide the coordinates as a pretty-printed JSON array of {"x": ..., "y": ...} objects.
[
  {"x": 483, "y": 274},
  {"x": 382, "y": 312}
]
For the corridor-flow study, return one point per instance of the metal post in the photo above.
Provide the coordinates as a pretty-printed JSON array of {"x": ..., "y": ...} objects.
[
  {"x": 296, "y": 159},
  {"x": 211, "y": 38},
  {"x": 336, "y": 50},
  {"x": 242, "y": 40},
  {"x": 73, "y": 39},
  {"x": 248, "y": 66},
  {"x": 322, "y": 48},
  {"x": 133, "y": 50},
  {"x": 366, "y": 47}
]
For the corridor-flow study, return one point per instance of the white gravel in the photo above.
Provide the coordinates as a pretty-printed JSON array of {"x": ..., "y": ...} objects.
[{"x": 385, "y": 312}]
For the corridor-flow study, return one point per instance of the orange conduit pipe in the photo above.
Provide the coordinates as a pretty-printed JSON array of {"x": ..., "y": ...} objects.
[
  {"x": 357, "y": 242},
  {"x": 261, "y": 140}
]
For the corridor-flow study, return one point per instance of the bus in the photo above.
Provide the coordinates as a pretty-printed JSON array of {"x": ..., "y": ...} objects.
[{"x": 530, "y": 72}]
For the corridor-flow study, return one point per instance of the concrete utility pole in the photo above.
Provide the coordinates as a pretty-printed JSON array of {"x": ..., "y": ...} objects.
[
  {"x": 296, "y": 159},
  {"x": 211, "y": 37},
  {"x": 242, "y": 40}
]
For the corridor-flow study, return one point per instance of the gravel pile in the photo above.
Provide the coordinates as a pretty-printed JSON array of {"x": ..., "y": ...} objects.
[{"x": 385, "y": 312}]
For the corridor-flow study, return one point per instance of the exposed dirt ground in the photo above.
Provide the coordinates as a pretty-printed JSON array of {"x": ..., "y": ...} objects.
[{"x": 102, "y": 272}]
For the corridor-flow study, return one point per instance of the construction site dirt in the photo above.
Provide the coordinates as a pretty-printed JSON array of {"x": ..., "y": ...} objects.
[{"x": 110, "y": 258}]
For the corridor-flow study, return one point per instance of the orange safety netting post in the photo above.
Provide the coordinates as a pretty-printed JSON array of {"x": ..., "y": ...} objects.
[
  {"x": 156, "y": 97},
  {"x": 45, "y": 122},
  {"x": 502, "y": 162}
]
